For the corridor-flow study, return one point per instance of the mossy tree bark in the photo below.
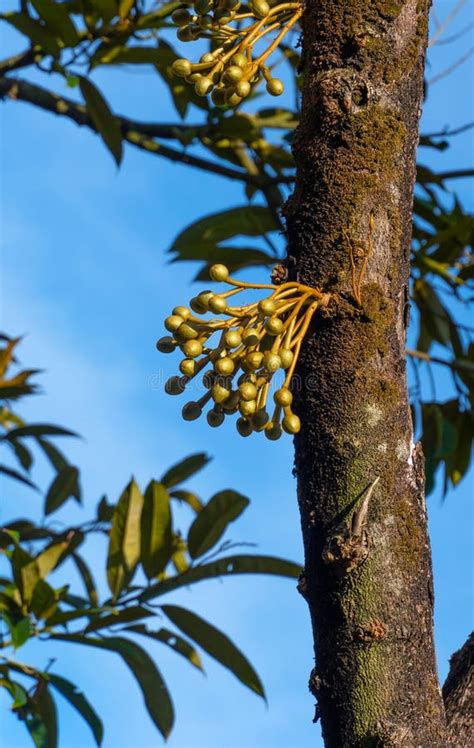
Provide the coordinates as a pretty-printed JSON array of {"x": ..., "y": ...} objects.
[{"x": 368, "y": 579}]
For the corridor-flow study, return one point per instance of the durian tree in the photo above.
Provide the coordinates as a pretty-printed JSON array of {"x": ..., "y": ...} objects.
[{"x": 367, "y": 232}]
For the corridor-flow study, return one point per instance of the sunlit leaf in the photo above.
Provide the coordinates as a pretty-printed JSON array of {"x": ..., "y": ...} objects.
[
  {"x": 124, "y": 544},
  {"x": 156, "y": 532},
  {"x": 172, "y": 640}
]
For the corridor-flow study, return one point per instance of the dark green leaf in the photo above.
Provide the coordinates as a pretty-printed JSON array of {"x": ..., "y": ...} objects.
[
  {"x": 224, "y": 567},
  {"x": 176, "y": 642},
  {"x": 38, "y": 429},
  {"x": 184, "y": 469},
  {"x": 64, "y": 485},
  {"x": 20, "y": 633},
  {"x": 156, "y": 532},
  {"x": 57, "y": 20},
  {"x": 77, "y": 699},
  {"x": 155, "y": 692},
  {"x": 248, "y": 220},
  {"x": 44, "y": 600},
  {"x": 56, "y": 458},
  {"x": 87, "y": 578},
  {"x": 42, "y": 723},
  {"x": 37, "y": 34},
  {"x": 23, "y": 454},
  {"x": 17, "y": 476},
  {"x": 105, "y": 122},
  {"x": 216, "y": 644},
  {"x": 211, "y": 523},
  {"x": 127, "y": 615}
]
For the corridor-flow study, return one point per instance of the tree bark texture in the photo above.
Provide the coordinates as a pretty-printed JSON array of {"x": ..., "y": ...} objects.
[{"x": 368, "y": 578}]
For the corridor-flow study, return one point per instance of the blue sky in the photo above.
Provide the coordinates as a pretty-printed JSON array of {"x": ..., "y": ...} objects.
[{"x": 84, "y": 275}]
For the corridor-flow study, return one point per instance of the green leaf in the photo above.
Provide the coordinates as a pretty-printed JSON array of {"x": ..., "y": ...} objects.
[
  {"x": 156, "y": 531},
  {"x": 17, "y": 476},
  {"x": 23, "y": 454},
  {"x": 87, "y": 578},
  {"x": 185, "y": 469},
  {"x": 211, "y": 523},
  {"x": 245, "y": 564},
  {"x": 125, "y": 7},
  {"x": 38, "y": 34},
  {"x": 119, "y": 55},
  {"x": 248, "y": 220},
  {"x": 188, "y": 498},
  {"x": 43, "y": 723},
  {"x": 56, "y": 458},
  {"x": 124, "y": 616},
  {"x": 64, "y": 485},
  {"x": 57, "y": 20},
  {"x": 153, "y": 687},
  {"x": 38, "y": 429},
  {"x": 20, "y": 633},
  {"x": 102, "y": 117},
  {"x": 235, "y": 258},
  {"x": 77, "y": 699},
  {"x": 25, "y": 572},
  {"x": 44, "y": 600},
  {"x": 124, "y": 544},
  {"x": 216, "y": 644},
  {"x": 172, "y": 640},
  {"x": 48, "y": 559}
]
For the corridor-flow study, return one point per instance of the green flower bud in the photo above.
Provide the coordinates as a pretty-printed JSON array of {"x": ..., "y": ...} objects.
[
  {"x": 218, "y": 97},
  {"x": 217, "y": 304},
  {"x": 283, "y": 397},
  {"x": 267, "y": 307},
  {"x": 192, "y": 348},
  {"x": 181, "y": 311},
  {"x": 291, "y": 424},
  {"x": 250, "y": 336},
  {"x": 243, "y": 89},
  {"x": 203, "y": 86},
  {"x": 219, "y": 393},
  {"x": 187, "y": 366},
  {"x": 224, "y": 366},
  {"x": 232, "y": 339},
  {"x": 271, "y": 362},
  {"x": 207, "y": 57},
  {"x": 252, "y": 361},
  {"x": 273, "y": 326},
  {"x": 185, "y": 34},
  {"x": 230, "y": 405},
  {"x": 260, "y": 420},
  {"x": 187, "y": 332},
  {"x": 248, "y": 391},
  {"x": 286, "y": 357},
  {"x": 260, "y": 8},
  {"x": 233, "y": 74},
  {"x": 244, "y": 427},
  {"x": 202, "y": 7},
  {"x": 173, "y": 322},
  {"x": 181, "y": 17},
  {"x": 232, "y": 99},
  {"x": 247, "y": 407},
  {"x": 191, "y": 411},
  {"x": 175, "y": 385},
  {"x": 240, "y": 59},
  {"x": 273, "y": 431},
  {"x": 218, "y": 272},
  {"x": 166, "y": 344},
  {"x": 214, "y": 418},
  {"x": 275, "y": 87}
]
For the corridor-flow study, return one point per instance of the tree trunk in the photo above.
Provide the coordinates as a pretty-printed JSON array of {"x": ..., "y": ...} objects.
[
  {"x": 367, "y": 579},
  {"x": 458, "y": 695}
]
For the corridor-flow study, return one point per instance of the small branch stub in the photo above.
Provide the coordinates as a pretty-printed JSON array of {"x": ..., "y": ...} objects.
[{"x": 348, "y": 547}]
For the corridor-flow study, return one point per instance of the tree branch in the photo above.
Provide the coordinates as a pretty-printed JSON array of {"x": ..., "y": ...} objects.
[
  {"x": 15, "y": 62},
  {"x": 458, "y": 695},
  {"x": 136, "y": 133}
]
